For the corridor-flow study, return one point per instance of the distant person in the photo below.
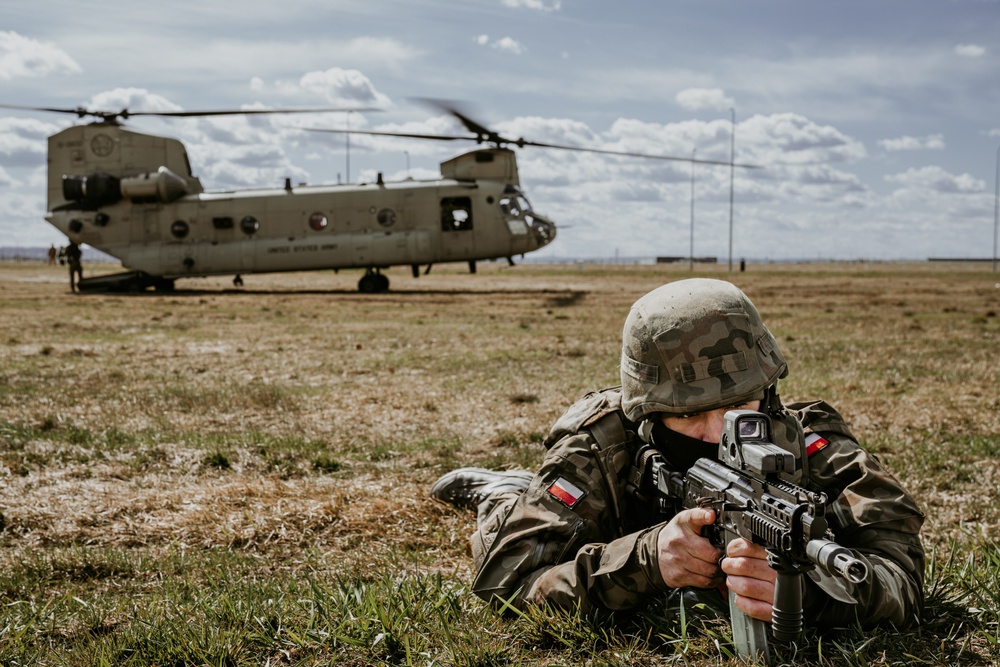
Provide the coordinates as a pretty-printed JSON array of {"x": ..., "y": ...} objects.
[
  {"x": 581, "y": 532},
  {"x": 73, "y": 257},
  {"x": 62, "y": 255},
  {"x": 52, "y": 254}
]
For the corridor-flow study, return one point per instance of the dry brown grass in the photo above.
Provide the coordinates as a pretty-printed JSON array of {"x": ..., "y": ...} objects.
[{"x": 297, "y": 416}]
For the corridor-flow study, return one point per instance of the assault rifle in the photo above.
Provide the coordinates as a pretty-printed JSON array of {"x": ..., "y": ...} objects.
[{"x": 752, "y": 498}]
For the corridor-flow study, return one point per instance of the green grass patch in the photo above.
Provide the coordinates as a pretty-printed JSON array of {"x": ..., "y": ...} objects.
[{"x": 125, "y": 539}]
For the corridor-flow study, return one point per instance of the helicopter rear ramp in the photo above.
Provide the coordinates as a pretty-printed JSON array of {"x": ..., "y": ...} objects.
[{"x": 129, "y": 281}]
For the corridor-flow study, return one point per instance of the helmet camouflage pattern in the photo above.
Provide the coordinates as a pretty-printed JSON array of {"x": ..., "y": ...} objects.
[{"x": 695, "y": 345}]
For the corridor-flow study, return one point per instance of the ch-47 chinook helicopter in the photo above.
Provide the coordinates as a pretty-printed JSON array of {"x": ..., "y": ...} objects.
[{"x": 133, "y": 196}]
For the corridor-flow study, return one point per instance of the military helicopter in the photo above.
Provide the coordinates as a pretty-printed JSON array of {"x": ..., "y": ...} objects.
[{"x": 133, "y": 196}]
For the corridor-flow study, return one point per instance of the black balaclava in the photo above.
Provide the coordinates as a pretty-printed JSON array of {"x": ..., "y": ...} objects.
[{"x": 681, "y": 451}]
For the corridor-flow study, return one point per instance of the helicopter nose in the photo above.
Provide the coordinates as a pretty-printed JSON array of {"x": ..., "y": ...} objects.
[{"x": 543, "y": 229}]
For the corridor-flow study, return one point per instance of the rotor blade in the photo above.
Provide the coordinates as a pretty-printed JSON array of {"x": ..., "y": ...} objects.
[
  {"x": 439, "y": 137},
  {"x": 525, "y": 142},
  {"x": 79, "y": 111},
  {"x": 125, "y": 113},
  {"x": 482, "y": 132},
  {"x": 485, "y": 134}
]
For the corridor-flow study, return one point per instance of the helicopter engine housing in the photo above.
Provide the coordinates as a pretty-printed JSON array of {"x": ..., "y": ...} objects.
[{"x": 163, "y": 186}]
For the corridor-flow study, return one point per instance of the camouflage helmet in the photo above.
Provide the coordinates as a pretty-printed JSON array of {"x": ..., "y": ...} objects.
[{"x": 695, "y": 345}]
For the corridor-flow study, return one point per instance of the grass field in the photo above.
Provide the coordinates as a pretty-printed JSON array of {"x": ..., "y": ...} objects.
[{"x": 240, "y": 477}]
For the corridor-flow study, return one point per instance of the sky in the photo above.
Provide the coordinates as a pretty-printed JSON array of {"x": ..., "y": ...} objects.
[{"x": 875, "y": 123}]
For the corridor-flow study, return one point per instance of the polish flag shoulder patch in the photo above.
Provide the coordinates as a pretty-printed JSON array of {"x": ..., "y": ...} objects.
[
  {"x": 566, "y": 492},
  {"x": 814, "y": 443}
]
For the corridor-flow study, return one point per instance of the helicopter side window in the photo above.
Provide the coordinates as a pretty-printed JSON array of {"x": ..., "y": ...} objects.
[
  {"x": 386, "y": 217},
  {"x": 249, "y": 225},
  {"x": 456, "y": 214},
  {"x": 179, "y": 229},
  {"x": 318, "y": 222}
]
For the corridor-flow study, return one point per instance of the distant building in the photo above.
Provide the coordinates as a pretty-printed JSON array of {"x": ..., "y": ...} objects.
[{"x": 676, "y": 259}]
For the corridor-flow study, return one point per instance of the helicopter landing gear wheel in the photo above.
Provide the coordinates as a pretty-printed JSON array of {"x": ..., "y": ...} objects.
[{"x": 373, "y": 283}]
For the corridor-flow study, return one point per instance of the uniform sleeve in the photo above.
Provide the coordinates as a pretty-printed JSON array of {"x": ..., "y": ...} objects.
[
  {"x": 874, "y": 517},
  {"x": 562, "y": 545}
]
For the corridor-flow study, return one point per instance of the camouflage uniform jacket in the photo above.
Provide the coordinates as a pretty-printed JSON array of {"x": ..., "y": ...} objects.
[{"x": 576, "y": 536}]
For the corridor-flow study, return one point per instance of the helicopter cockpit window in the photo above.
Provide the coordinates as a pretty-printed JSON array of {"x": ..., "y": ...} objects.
[
  {"x": 514, "y": 205},
  {"x": 249, "y": 225},
  {"x": 318, "y": 222},
  {"x": 387, "y": 217},
  {"x": 456, "y": 214}
]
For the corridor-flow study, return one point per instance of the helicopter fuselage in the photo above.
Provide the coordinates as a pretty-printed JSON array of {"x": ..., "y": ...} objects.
[{"x": 132, "y": 196}]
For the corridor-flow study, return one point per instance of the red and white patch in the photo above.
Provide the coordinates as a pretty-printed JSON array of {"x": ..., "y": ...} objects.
[
  {"x": 814, "y": 443},
  {"x": 566, "y": 492}
]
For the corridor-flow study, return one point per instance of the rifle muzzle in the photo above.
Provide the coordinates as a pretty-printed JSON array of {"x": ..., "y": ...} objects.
[{"x": 837, "y": 561}]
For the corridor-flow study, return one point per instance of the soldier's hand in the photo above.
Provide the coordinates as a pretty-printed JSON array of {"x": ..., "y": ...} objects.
[
  {"x": 750, "y": 578},
  {"x": 685, "y": 557}
]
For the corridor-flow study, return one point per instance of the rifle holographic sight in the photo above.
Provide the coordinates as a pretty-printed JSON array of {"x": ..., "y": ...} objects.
[{"x": 746, "y": 445}]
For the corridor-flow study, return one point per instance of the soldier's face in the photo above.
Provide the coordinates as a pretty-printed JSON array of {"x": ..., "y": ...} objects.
[{"x": 705, "y": 426}]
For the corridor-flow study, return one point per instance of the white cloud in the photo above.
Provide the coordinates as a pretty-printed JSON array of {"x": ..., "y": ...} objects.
[
  {"x": 136, "y": 99},
  {"x": 710, "y": 138},
  {"x": 816, "y": 183},
  {"x": 936, "y": 179},
  {"x": 970, "y": 50},
  {"x": 700, "y": 99},
  {"x": 231, "y": 153},
  {"x": 344, "y": 87},
  {"x": 908, "y": 143},
  {"x": 789, "y": 138},
  {"x": 23, "y": 223},
  {"x": 384, "y": 51},
  {"x": 538, "y": 5},
  {"x": 444, "y": 125},
  {"x": 508, "y": 44},
  {"x": 24, "y": 57},
  {"x": 561, "y": 131},
  {"x": 857, "y": 85},
  {"x": 22, "y": 141}
]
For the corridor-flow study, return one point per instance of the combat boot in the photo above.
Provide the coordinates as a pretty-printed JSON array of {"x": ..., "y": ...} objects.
[{"x": 468, "y": 487}]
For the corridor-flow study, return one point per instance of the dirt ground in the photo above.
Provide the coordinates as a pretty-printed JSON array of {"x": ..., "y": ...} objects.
[{"x": 295, "y": 413}]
